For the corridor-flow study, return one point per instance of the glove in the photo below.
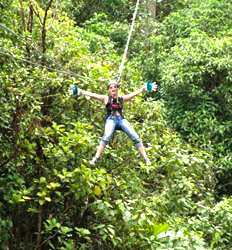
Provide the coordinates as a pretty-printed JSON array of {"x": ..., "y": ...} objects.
[
  {"x": 151, "y": 86},
  {"x": 74, "y": 90}
]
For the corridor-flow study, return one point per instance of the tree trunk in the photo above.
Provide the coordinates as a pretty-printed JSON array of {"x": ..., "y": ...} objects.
[
  {"x": 39, "y": 228},
  {"x": 23, "y": 23},
  {"x": 43, "y": 32},
  {"x": 152, "y": 8},
  {"x": 29, "y": 28}
]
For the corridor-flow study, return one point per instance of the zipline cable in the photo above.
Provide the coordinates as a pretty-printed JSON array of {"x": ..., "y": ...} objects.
[
  {"x": 18, "y": 36},
  {"x": 122, "y": 64},
  {"x": 69, "y": 73},
  {"x": 121, "y": 67}
]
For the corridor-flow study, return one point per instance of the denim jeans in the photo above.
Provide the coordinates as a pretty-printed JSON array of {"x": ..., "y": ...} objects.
[{"x": 119, "y": 123}]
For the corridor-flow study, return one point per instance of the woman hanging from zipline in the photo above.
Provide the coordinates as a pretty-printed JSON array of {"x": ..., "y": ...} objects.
[{"x": 115, "y": 119}]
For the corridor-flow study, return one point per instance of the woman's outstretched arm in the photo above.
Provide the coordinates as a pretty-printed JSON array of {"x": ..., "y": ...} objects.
[
  {"x": 98, "y": 97},
  {"x": 133, "y": 94}
]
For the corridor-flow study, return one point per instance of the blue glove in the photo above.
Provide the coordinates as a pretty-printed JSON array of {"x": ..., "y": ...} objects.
[
  {"x": 74, "y": 90},
  {"x": 151, "y": 86}
]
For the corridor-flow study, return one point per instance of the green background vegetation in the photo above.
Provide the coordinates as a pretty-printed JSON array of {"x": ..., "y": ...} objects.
[{"x": 50, "y": 198}]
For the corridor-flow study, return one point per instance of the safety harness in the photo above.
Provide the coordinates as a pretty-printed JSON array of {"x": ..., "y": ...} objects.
[{"x": 114, "y": 105}]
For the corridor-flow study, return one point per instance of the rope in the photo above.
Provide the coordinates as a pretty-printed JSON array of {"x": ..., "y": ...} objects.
[{"x": 121, "y": 67}]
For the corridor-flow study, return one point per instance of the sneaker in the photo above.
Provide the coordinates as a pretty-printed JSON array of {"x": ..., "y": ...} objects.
[
  {"x": 93, "y": 161},
  {"x": 147, "y": 162}
]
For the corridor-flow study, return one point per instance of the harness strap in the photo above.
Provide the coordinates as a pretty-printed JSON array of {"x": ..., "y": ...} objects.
[{"x": 112, "y": 107}]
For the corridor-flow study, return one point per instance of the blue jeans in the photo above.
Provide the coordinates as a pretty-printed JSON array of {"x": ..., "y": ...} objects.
[{"x": 118, "y": 123}]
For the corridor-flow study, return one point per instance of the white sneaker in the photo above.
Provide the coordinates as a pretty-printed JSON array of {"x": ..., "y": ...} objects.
[
  {"x": 147, "y": 162},
  {"x": 93, "y": 161}
]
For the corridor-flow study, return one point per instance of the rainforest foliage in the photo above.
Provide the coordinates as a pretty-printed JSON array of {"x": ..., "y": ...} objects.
[{"x": 50, "y": 197}]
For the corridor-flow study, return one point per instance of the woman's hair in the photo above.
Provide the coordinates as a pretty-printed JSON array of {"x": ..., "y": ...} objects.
[{"x": 113, "y": 81}]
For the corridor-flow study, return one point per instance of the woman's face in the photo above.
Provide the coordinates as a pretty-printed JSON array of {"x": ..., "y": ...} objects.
[{"x": 113, "y": 89}]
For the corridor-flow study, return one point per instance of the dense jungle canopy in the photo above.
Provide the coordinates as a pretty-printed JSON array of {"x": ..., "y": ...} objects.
[{"x": 50, "y": 197}]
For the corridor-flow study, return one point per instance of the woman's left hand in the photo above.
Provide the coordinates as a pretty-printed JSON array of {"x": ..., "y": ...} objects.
[{"x": 150, "y": 87}]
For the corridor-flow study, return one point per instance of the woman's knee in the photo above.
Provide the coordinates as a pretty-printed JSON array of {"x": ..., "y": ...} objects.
[
  {"x": 137, "y": 141},
  {"x": 106, "y": 139},
  {"x": 134, "y": 137},
  {"x": 109, "y": 130}
]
